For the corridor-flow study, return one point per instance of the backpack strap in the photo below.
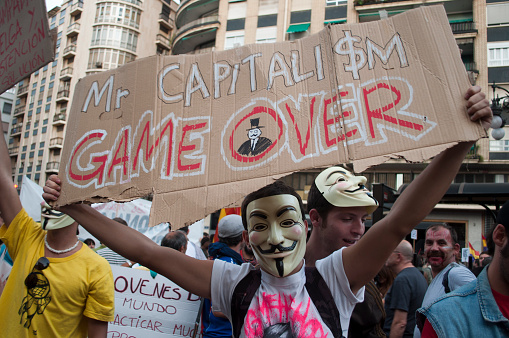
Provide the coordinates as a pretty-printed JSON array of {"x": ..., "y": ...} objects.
[
  {"x": 241, "y": 299},
  {"x": 321, "y": 296},
  {"x": 445, "y": 281}
]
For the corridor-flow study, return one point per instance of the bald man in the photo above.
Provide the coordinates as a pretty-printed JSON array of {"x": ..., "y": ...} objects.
[{"x": 406, "y": 293}]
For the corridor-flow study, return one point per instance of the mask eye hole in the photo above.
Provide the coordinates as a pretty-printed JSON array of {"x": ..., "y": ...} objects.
[
  {"x": 259, "y": 227},
  {"x": 288, "y": 223}
]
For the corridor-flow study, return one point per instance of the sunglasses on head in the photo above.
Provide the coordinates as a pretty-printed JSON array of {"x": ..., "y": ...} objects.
[{"x": 31, "y": 280}]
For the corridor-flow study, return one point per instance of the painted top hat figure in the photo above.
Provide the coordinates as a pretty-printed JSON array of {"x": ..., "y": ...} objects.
[{"x": 256, "y": 144}]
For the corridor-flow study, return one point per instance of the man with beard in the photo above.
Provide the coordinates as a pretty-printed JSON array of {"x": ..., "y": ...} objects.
[
  {"x": 441, "y": 248},
  {"x": 333, "y": 228},
  {"x": 480, "y": 308},
  {"x": 274, "y": 222}
]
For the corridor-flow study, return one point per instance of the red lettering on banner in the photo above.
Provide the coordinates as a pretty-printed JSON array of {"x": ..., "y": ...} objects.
[
  {"x": 148, "y": 152},
  {"x": 97, "y": 159},
  {"x": 183, "y": 148},
  {"x": 310, "y": 125},
  {"x": 327, "y": 122},
  {"x": 378, "y": 113},
  {"x": 124, "y": 140}
]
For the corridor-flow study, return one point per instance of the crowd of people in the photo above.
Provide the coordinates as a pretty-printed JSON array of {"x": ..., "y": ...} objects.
[{"x": 266, "y": 276}]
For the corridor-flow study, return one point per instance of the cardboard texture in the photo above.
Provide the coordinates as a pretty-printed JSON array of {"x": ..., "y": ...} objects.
[
  {"x": 25, "y": 42},
  {"x": 180, "y": 126}
]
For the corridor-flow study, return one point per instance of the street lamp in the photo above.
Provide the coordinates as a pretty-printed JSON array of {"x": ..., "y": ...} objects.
[{"x": 500, "y": 108}]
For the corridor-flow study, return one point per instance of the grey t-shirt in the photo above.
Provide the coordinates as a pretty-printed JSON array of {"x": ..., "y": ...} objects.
[{"x": 458, "y": 277}]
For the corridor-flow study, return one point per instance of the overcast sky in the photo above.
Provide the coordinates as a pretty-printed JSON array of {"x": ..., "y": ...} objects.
[{"x": 52, "y": 3}]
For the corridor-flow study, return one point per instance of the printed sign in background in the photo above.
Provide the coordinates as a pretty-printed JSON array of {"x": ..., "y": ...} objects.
[
  {"x": 151, "y": 307},
  {"x": 25, "y": 43},
  {"x": 202, "y": 131}
]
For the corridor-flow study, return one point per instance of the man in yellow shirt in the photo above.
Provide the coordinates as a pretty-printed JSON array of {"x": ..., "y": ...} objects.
[{"x": 58, "y": 287}]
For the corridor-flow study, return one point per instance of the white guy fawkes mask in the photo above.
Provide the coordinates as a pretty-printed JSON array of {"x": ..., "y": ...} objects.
[
  {"x": 342, "y": 189},
  {"x": 52, "y": 219},
  {"x": 277, "y": 233}
]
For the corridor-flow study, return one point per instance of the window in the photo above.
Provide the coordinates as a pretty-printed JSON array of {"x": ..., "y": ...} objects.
[
  {"x": 47, "y": 108},
  {"x": 498, "y": 54},
  {"x": 334, "y": 2},
  {"x": 43, "y": 130},
  {"x": 44, "y": 122},
  {"x": 38, "y": 110},
  {"x": 266, "y": 35},
  {"x": 45, "y": 69},
  {"x": 498, "y": 14},
  {"x": 32, "y": 146},
  {"x": 34, "y": 133},
  {"x": 27, "y": 134},
  {"x": 23, "y": 156},
  {"x": 50, "y": 85},
  {"x": 36, "y": 124},
  {"x": 234, "y": 41},
  {"x": 41, "y": 152},
  {"x": 41, "y": 145},
  {"x": 499, "y": 145},
  {"x": 54, "y": 64},
  {"x": 24, "y": 148},
  {"x": 41, "y": 89},
  {"x": 34, "y": 85}
]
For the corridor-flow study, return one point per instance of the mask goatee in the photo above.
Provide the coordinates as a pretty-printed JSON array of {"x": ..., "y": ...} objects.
[{"x": 280, "y": 266}]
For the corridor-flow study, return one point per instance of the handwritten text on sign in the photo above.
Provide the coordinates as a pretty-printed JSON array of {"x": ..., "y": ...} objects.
[
  {"x": 25, "y": 44},
  {"x": 151, "y": 307},
  {"x": 213, "y": 127}
]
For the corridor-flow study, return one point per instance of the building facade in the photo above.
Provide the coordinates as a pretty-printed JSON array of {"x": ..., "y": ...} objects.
[
  {"x": 91, "y": 36},
  {"x": 481, "y": 29}
]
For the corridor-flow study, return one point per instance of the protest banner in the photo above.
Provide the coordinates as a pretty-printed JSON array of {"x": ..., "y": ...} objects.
[
  {"x": 151, "y": 307},
  {"x": 25, "y": 42},
  {"x": 202, "y": 131}
]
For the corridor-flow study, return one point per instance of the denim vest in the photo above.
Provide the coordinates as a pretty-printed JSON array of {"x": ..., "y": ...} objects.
[{"x": 470, "y": 311}]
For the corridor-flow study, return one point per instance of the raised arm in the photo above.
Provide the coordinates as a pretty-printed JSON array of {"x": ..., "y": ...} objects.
[
  {"x": 191, "y": 274},
  {"x": 414, "y": 204},
  {"x": 10, "y": 205}
]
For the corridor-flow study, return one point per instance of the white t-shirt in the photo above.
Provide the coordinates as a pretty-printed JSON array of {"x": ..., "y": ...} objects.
[{"x": 285, "y": 300}]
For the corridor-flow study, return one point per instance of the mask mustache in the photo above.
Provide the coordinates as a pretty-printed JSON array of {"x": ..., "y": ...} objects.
[{"x": 280, "y": 247}]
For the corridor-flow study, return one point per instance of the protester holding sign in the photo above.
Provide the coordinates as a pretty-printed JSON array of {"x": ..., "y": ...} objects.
[
  {"x": 57, "y": 286},
  {"x": 276, "y": 228}
]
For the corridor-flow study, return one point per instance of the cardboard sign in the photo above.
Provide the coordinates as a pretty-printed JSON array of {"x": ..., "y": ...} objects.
[
  {"x": 202, "y": 131},
  {"x": 465, "y": 252},
  {"x": 151, "y": 307},
  {"x": 25, "y": 42}
]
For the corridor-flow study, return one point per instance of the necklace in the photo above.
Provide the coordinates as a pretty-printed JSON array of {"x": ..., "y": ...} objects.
[{"x": 59, "y": 251}]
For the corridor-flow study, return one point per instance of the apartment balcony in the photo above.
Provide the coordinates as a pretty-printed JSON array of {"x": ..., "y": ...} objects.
[
  {"x": 19, "y": 111},
  {"x": 69, "y": 51},
  {"x": 23, "y": 90},
  {"x": 165, "y": 21},
  {"x": 76, "y": 8},
  {"x": 59, "y": 119},
  {"x": 56, "y": 143},
  {"x": 66, "y": 74},
  {"x": 163, "y": 42},
  {"x": 13, "y": 151},
  {"x": 192, "y": 10},
  {"x": 190, "y": 36},
  {"x": 73, "y": 29},
  {"x": 16, "y": 129},
  {"x": 63, "y": 95},
  {"x": 463, "y": 27},
  {"x": 377, "y": 2},
  {"x": 52, "y": 167}
]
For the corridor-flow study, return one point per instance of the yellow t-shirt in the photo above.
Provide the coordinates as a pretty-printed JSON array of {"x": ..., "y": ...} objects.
[{"x": 79, "y": 285}]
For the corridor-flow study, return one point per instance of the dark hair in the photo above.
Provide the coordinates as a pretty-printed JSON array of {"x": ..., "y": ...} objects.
[
  {"x": 454, "y": 235},
  {"x": 231, "y": 241},
  {"x": 175, "y": 240},
  {"x": 204, "y": 240},
  {"x": 120, "y": 220},
  {"x": 317, "y": 201},
  {"x": 184, "y": 229},
  {"x": 89, "y": 241},
  {"x": 273, "y": 189}
]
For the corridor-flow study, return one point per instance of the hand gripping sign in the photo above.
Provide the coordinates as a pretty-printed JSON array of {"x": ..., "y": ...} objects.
[{"x": 202, "y": 131}]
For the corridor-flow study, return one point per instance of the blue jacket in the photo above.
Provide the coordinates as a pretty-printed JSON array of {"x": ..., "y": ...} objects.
[{"x": 470, "y": 311}]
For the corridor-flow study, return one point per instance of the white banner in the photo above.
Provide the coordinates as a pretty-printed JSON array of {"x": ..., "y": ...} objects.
[{"x": 151, "y": 307}]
